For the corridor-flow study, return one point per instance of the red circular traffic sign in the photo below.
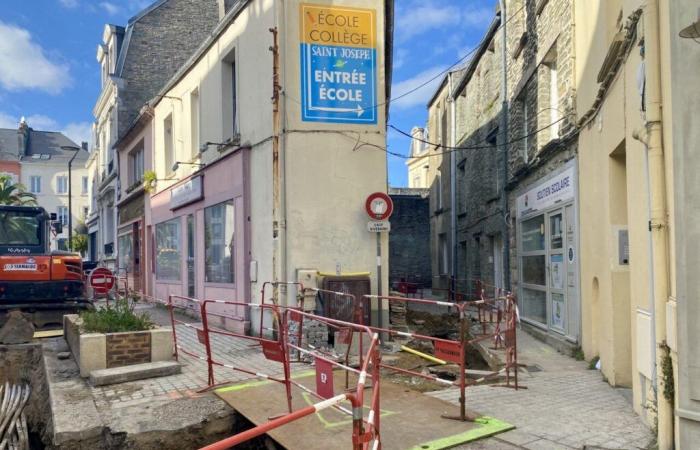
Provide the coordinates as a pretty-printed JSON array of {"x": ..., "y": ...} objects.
[
  {"x": 102, "y": 280},
  {"x": 379, "y": 206}
]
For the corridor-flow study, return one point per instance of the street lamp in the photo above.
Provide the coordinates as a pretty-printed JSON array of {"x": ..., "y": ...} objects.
[{"x": 75, "y": 151}]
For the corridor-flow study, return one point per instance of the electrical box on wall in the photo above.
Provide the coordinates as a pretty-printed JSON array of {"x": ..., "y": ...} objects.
[{"x": 623, "y": 247}]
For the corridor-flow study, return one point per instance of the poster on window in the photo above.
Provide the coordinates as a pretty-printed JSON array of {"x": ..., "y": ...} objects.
[
  {"x": 557, "y": 271},
  {"x": 558, "y": 311}
]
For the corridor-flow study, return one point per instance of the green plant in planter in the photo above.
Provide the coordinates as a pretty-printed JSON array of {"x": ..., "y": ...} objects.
[{"x": 115, "y": 318}]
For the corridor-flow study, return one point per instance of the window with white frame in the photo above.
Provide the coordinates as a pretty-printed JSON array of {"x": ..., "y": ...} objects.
[
  {"x": 552, "y": 74},
  {"x": 168, "y": 251},
  {"x": 194, "y": 121},
  {"x": 62, "y": 215},
  {"x": 168, "y": 143},
  {"x": 136, "y": 164},
  {"x": 35, "y": 184},
  {"x": 219, "y": 240},
  {"x": 61, "y": 184},
  {"x": 84, "y": 185}
]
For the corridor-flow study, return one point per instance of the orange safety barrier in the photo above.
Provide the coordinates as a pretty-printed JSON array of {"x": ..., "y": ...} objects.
[
  {"x": 365, "y": 431},
  {"x": 273, "y": 350},
  {"x": 454, "y": 350}
]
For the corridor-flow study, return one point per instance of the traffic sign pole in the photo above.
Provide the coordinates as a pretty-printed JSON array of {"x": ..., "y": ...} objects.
[{"x": 379, "y": 208}]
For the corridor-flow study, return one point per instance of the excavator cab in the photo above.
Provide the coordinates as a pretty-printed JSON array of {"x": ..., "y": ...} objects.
[{"x": 43, "y": 283}]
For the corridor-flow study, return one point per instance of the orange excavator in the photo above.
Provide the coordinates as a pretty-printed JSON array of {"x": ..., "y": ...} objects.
[{"x": 42, "y": 283}]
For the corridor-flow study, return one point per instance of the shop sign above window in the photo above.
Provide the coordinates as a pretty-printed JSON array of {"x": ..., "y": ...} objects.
[
  {"x": 186, "y": 193},
  {"x": 557, "y": 189}
]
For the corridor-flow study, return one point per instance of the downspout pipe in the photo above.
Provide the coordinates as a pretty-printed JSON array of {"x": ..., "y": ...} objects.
[
  {"x": 282, "y": 40},
  {"x": 453, "y": 187},
  {"x": 504, "y": 147},
  {"x": 658, "y": 223}
]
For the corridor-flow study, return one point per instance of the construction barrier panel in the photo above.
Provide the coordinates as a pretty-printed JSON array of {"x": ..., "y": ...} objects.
[
  {"x": 365, "y": 430},
  {"x": 273, "y": 350}
]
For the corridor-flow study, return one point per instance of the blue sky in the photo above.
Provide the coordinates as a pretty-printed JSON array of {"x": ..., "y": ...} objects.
[{"x": 48, "y": 71}]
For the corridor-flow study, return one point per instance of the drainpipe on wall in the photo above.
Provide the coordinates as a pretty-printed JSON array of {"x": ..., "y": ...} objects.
[
  {"x": 652, "y": 137},
  {"x": 504, "y": 149},
  {"x": 453, "y": 188},
  {"x": 281, "y": 65}
]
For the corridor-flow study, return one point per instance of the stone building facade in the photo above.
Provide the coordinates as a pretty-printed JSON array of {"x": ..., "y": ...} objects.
[
  {"x": 135, "y": 62},
  {"x": 539, "y": 183},
  {"x": 409, "y": 240}
]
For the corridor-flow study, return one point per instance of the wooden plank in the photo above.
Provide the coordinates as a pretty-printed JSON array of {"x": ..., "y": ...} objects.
[{"x": 408, "y": 418}]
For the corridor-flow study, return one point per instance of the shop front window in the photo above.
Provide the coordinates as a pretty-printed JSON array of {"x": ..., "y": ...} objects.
[
  {"x": 219, "y": 240},
  {"x": 125, "y": 252},
  {"x": 168, "y": 250},
  {"x": 535, "y": 305},
  {"x": 534, "y": 270},
  {"x": 533, "y": 234}
]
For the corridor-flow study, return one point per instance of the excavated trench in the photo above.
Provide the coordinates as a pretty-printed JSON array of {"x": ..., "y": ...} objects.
[{"x": 150, "y": 427}]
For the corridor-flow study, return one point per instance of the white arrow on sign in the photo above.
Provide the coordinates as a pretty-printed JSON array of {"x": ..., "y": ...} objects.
[{"x": 358, "y": 110}]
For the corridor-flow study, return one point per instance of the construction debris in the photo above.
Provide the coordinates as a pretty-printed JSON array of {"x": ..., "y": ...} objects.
[{"x": 17, "y": 330}]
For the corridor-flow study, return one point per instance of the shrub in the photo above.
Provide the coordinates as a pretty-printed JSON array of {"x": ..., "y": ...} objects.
[{"x": 115, "y": 318}]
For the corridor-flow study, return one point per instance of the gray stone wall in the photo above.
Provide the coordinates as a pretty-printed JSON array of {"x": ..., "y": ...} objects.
[
  {"x": 540, "y": 38},
  {"x": 160, "y": 43},
  {"x": 409, "y": 239}
]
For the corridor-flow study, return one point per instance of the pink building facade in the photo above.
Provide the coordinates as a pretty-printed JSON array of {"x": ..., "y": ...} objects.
[{"x": 201, "y": 237}]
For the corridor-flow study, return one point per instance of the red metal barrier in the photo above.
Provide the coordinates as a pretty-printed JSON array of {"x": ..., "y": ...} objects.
[
  {"x": 365, "y": 431},
  {"x": 272, "y": 349},
  {"x": 454, "y": 350}
]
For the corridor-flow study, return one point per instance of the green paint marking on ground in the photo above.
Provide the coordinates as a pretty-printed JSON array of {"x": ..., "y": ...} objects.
[
  {"x": 328, "y": 424},
  {"x": 488, "y": 427},
  {"x": 250, "y": 384}
]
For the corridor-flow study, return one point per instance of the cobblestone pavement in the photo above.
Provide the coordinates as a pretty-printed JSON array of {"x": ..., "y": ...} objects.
[
  {"x": 227, "y": 350},
  {"x": 565, "y": 406}
]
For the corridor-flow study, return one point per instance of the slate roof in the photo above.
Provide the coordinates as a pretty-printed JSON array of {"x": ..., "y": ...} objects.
[
  {"x": 39, "y": 143},
  {"x": 156, "y": 43}
]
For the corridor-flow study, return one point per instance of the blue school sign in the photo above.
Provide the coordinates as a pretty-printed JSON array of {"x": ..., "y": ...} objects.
[{"x": 338, "y": 65}]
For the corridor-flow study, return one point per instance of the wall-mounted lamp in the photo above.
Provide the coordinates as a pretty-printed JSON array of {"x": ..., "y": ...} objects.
[
  {"x": 179, "y": 163},
  {"x": 692, "y": 31}
]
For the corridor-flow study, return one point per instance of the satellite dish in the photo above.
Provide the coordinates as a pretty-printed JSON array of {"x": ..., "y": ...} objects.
[{"x": 692, "y": 31}]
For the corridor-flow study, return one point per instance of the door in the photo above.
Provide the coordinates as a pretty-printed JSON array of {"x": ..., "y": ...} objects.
[
  {"x": 136, "y": 256},
  {"x": 190, "y": 256},
  {"x": 557, "y": 272}
]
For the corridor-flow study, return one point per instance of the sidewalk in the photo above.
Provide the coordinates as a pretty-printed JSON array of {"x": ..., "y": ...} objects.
[{"x": 565, "y": 406}]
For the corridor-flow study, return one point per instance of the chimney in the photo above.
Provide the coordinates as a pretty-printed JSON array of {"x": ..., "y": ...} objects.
[
  {"x": 84, "y": 145},
  {"x": 225, "y": 6},
  {"x": 23, "y": 137}
]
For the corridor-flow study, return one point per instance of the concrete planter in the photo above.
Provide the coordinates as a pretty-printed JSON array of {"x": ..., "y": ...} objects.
[{"x": 95, "y": 351}]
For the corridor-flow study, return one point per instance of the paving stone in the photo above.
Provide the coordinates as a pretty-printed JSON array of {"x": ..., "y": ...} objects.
[{"x": 565, "y": 406}]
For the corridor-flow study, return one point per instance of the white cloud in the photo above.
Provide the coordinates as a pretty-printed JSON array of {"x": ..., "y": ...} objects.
[
  {"x": 111, "y": 8},
  {"x": 8, "y": 121},
  {"x": 419, "y": 96},
  {"x": 69, "y": 3},
  {"x": 415, "y": 21},
  {"x": 400, "y": 57},
  {"x": 416, "y": 18},
  {"x": 78, "y": 132},
  {"x": 42, "y": 122},
  {"x": 24, "y": 65}
]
